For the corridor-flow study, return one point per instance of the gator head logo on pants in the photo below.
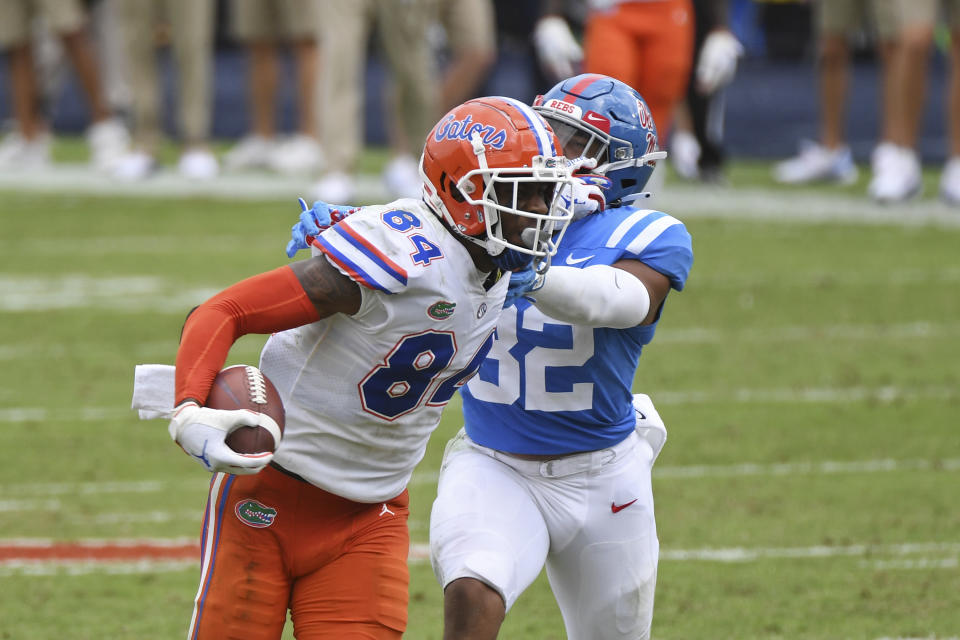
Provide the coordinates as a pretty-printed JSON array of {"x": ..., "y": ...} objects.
[{"x": 254, "y": 514}]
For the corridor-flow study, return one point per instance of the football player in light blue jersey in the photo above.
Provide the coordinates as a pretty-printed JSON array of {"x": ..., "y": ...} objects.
[{"x": 553, "y": 466}]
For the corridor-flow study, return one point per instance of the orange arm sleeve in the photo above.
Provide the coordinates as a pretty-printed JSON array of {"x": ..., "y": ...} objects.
[{"x": 266, "y": 303}]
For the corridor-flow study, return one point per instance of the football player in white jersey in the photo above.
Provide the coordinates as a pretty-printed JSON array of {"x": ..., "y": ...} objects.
[
  {"x": 553, "y": 466},
  {"x": 371, "y": 339}
]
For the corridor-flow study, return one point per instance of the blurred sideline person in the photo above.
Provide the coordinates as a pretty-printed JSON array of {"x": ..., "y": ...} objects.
[
  {"x": 28, "y": 146},
  {"x": 401, "y": 27},
  {"x": 830, "y": 159},
  {"x": 553, "y": 465},
  {"x": 264, "y": 28},
  {"x": 372, "y": 336},
  {"x": 647, "y": 44},
  {"x": 897, "y": 169},
  {"x": 696, "y": 147},
  {"x": 470, "y": 35},
  {"x": 466, "y": 38},
  {"x": 191, "y": 35}
]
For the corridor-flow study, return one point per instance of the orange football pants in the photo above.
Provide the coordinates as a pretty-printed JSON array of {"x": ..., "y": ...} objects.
[
  {"x": 647, "y": 44},
  {"x": 273, "y": 542}
]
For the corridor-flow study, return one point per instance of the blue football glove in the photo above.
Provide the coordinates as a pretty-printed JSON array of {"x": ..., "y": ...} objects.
[
  {"x": 521, "y": 283},
  {"x": 312, "y": 221}
]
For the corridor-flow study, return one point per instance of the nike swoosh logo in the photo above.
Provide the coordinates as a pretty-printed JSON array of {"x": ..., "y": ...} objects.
[
  {"x": 594, "y": 117},
  {"x": 572, "y": 260},
  {"x": 618, "y": 508}
]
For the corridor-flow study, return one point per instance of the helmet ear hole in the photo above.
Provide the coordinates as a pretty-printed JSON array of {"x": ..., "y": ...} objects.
[{"x": 454, "y": 191}]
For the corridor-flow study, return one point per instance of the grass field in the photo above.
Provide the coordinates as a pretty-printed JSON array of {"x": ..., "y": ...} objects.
[{"x": 809, "y": 377}]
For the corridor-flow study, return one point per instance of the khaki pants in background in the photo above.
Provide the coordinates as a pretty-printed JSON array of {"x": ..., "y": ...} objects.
[
  {"x": 401, "y": 34},
  {"x": 191, "y": 37}
]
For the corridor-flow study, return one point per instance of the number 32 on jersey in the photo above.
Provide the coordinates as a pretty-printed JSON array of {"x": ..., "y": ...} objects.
[{"x": 570, "y": 346}]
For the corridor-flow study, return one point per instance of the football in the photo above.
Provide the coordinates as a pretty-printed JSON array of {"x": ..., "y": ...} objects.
[{"x": 245, "y": 387}]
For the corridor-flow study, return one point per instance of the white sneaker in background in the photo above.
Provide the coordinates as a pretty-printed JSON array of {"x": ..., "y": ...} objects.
[
  {"x": 402, "y": 177},
  {"x": 135, "y": 165},
  {"x": 198, "y": 164},
  {"x": 950, "y": 181},
  {"x": 19, "y": 153},
  {"x": 252, "y": 152},
  {"x": 816, "y": 163},
  {"x": 896, "y": 174},
  {"x": 336, "y": 187},
  {"x": 109, "y": 141},
  {"x": 684, "y": 154},
  {"x": 296, "y": 155}
]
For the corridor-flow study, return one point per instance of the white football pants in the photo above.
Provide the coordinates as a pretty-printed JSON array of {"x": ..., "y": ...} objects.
[{"x": 589, "y": 517}]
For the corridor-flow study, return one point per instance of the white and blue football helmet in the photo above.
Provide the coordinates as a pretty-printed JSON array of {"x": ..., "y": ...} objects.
[{"x": 599, "y": 117}]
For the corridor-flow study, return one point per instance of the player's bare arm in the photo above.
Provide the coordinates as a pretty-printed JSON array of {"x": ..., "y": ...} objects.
[
  {"x": 657, "y": 284},
  {"x": 329, "y": 290}
]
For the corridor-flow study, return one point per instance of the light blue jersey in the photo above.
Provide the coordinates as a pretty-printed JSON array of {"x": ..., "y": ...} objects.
[{"x": 548, "y": 387}]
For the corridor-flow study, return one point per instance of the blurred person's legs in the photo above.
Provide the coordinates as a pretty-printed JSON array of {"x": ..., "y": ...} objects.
[
  {"x": 191, "y": 26},
  {"x": 252, "y": 23},
  {"x": 649, "y": 46},
  {"x": 342, "y": 33},
  {"x": 471, "y": 36},
  {"x": 301, "y": 152},
  {"x": 107, "y": 136},
  {"x": 829, "y": 159},
  {"x": 696, "y": 146},
  {"x": 264, "y": 27},
  {"x": 28, "y": 146},
  {"x": 109, "y": 44},
  {"x": 895, "y": 163},
  {"x": 412, "y": 108},
  {"x": 950, "y": 178},
  {"x": 137, "y": 20}
]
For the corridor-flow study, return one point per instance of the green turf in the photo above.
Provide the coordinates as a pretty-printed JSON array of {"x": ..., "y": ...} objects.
[{"x": 808, "y": 351}]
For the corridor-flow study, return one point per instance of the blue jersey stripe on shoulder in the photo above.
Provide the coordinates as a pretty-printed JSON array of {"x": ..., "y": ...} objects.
[
  {"x": 388, "y": 266},
  {"x": 352, "y": 269}
]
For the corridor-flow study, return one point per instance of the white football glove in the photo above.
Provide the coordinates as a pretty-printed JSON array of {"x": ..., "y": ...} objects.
[
  {"x": 201, "y": 431},
  {"x": 556, "y": 47},
  {"x": 585, "y": 194},
  {"x": 718, "y": 60}
]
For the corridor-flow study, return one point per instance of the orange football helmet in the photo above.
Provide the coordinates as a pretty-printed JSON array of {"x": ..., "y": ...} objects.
[{"x": 486, "y": 143}]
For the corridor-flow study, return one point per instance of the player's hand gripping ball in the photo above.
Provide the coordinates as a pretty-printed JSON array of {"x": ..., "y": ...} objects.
[{"x": 246, "y": 387}]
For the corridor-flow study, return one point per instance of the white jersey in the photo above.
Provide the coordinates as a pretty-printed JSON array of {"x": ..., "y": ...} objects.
[{"x": 363, "y": 393}]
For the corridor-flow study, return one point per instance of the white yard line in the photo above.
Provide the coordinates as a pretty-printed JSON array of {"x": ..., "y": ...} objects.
[
  {"x": 752, "y": 554},
  {"x": 685, "y": 201},
  {"x": 919, "y": 330},
  {"x": 164, "y": 295},
  {"x": 45, "y": 496},
  {"x": 932, "y": 555},
  {"x": 807, "y": 333},
  {"x": 87, "y": 567},
  {"x": 82, "y": 291},
  {"x": 813, "y": 395}
]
